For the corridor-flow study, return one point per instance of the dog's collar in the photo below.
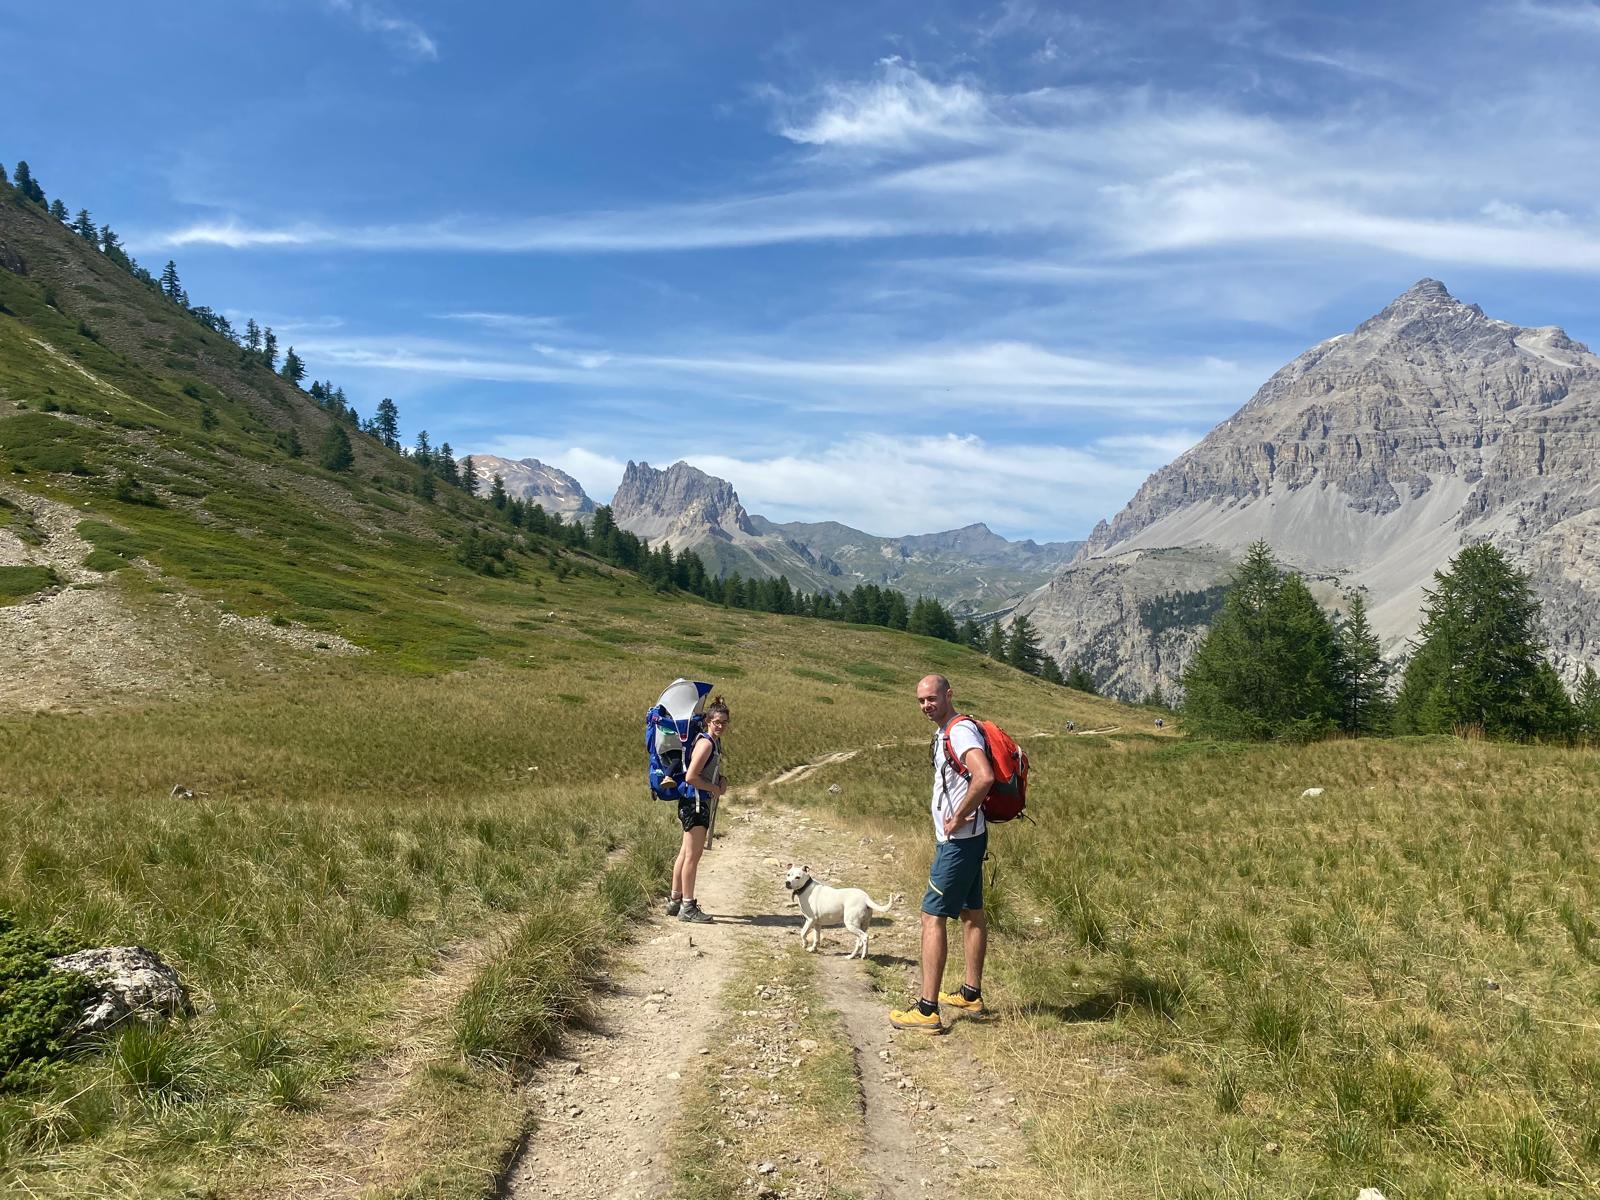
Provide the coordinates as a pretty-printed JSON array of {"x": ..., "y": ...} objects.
[{"x": 809, "y": 882}]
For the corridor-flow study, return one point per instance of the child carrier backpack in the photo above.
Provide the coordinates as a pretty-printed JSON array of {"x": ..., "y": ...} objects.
[
  {"x": 1008, "y": 796},
  {"x": 670, "y": 728}
]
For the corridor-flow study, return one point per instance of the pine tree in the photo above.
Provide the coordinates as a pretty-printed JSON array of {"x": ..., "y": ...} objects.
[
  {"x": 423, "y": 454},
  {"x": 252, "y": 336},
  {"x": 445, "y": 463},
  {"x": 1366, "y": 674},
  {"x": 27, "y": 184},
  {"x": 1586, "y": 705},
  {"x": 1158, "y": 698},
  {"x": 971, "y": 634},
  {"x": 58, "y": 210},
  {"x": 469, "y": 476},
  {"x": 895, "y": 615},
  {"x": 1022, "y": 648},
  {"x": 995, "y": 644},
  {"x": 294, "y": 368},
  {"x": 3, "y": 177},
  {"x": 388, "y": 423},
  {"x": 1269, "y": 665},
  {"x": 1479, "y": 659},
  {"x": 84, "y": 227},
  {"x": 170, "y": 287},
  {"x": 269, "y": 348},
  {"x": 1079, "y": 679},
  {"x": 110, "y": 244},
  {"x": 335, "y": 453},
  {"x": 1050, "y": 672},
  {"x": 497, "y": 495}
]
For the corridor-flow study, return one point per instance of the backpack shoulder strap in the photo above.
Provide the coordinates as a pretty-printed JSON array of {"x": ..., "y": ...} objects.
[{"x": 949, "y": 752}]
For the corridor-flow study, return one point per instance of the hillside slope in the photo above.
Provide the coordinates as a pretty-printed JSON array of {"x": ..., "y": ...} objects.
[{"x": 192, "y": 472}]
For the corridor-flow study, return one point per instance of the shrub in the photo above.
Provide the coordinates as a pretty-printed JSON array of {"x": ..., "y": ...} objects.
[{"x": 37, "y": 1006}]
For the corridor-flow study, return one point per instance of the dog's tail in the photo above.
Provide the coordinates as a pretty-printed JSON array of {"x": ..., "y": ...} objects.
[{"x": 876, "y": 907}]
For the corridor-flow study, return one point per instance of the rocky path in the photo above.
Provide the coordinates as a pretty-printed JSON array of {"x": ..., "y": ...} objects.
[{"x": 925, "y": 1114}]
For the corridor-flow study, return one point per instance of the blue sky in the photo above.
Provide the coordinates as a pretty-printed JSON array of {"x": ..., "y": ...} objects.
[{"x": 905, "y": 266}]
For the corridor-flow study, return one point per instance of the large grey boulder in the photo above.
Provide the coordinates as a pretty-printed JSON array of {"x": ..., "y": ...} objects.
[{"x": 130, "y": 982}]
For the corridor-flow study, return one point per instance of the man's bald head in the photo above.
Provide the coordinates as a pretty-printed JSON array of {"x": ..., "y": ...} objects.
[{"x": 936, "y": 698}]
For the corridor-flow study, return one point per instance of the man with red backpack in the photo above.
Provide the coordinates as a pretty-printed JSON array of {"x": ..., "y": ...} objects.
[{"x": 962, "y": 779}]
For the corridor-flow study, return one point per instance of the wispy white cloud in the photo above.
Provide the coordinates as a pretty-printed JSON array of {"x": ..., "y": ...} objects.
[
  {"x": 1585, "y": 18},
  {"x": 515, "y": 323},
  {"x": 1021, "y": 376},
  {"x": 404, "y": 36},
  {"x": 1131, "y": 173},
  {"x": 898, "y": 110}
]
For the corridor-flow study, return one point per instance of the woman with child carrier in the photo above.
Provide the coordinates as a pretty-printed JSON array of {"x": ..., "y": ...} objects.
[{"x": 705, "y": 777}]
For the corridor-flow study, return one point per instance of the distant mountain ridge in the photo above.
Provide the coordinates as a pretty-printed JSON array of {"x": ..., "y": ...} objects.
[
  {"x": 530, "y": 479},
  {"x": 971, "y": 569},
  {"x": 1368, "y": 461}
]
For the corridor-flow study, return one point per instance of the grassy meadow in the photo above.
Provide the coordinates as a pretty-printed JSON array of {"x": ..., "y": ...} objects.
[
  {"x": 1211, "y": 986},
  {"x": 353, "y": 820}
]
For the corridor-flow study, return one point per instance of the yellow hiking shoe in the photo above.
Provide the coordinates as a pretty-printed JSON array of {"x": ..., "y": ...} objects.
[
  {"x": 967, "y": 1008},
  {"x": 912, "y": 1018}
]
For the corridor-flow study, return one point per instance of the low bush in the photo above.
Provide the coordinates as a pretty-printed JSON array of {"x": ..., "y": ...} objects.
[{"x": 37, "y": 1006}]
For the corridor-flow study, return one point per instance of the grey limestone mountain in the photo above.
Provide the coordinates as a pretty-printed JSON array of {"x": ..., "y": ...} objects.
[
  {"x": 694, "y": 511},
  {"x": 1367, "y": 462},
  {"x": 530, "y": 479},
  {"x": 971, "y": 569}
]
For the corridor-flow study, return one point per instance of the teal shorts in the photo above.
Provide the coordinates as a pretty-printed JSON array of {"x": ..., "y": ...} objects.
[{"x": 955, "y": 881}]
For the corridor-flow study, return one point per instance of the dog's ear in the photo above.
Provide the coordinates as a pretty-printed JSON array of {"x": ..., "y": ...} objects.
[{"x": 807, "y": 870}]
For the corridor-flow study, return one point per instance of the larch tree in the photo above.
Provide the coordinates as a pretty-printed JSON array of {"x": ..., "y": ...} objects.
[{"x": 1480, "y": 659}]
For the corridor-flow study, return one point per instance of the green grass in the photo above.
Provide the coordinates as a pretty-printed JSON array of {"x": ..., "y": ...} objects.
[
  {"x": 1395, "y": 983},
  {"x": 350, "y": 821},
  {"x": 18, "y": 583}
]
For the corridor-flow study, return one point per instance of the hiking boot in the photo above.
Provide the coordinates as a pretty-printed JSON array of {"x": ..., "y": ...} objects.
[
  {"x": 968, "y": 1008},
  {"x": 692, "y": 912},
  {"x": 674, "y": 903},
  {"x": 912, "y": 1018}
]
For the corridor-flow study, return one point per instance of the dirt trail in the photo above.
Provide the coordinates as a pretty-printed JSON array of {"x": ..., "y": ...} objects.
[
  {"x": 929, "y": 1115},
  {"x": 607, "y": 1098},
  {"x": 610, "y": 1100}
]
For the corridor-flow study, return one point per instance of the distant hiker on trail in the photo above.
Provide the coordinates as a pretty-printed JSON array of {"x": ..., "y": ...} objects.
[
  {"x": 704, "y": 776},
  {"x": 955, "y": 881}
]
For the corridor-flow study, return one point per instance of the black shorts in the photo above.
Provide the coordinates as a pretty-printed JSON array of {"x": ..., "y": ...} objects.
[{"x": 689, "y": 818}]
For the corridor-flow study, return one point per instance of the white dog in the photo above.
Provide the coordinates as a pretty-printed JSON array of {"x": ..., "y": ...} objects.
[{"x": 824, "y": 905}]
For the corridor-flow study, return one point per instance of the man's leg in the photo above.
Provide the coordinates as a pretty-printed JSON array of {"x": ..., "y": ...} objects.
[
  {"x": 935, "y": 948},
  {"x": 975, "y": 944}
]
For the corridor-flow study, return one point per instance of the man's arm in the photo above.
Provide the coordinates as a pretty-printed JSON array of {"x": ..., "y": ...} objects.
[{"x": 979, "y": 780}]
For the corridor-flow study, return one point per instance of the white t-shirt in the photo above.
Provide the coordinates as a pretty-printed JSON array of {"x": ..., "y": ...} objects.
[{"x": 949, "y": 785}]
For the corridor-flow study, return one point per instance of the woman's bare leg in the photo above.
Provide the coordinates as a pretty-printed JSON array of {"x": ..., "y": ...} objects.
[{"x": 694, "y": 845}]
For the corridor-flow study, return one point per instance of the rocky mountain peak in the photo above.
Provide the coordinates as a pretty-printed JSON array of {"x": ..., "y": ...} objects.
[
  {"x": 680, "y": 504},
  {"x": 1370, "y": 459},
  {"x": 1426, "y": 314},
  {"x": 534, "y": 481}
]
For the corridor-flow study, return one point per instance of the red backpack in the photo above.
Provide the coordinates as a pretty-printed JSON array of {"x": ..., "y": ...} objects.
[{"x": 1008, "y": 797}]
